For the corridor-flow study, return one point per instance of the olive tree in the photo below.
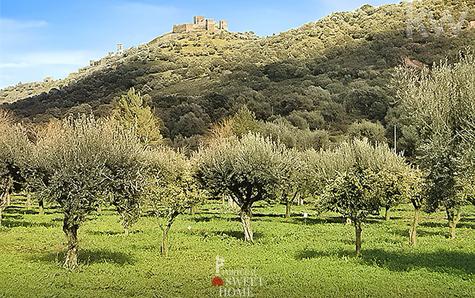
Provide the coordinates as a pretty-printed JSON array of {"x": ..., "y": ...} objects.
[
  {"x": 78, "y": 156},
  {"x": 14, "y": 147},
  {"x": 356, "y": 184},
  {"x": 247, "y": 169},
  {"x": 351, "y": 194},
  {"x": 172, "y": 190},
  {"x": 293, "y": 178},
  {"x": 439, "y": 104},
  {"x": 126, "y": 174}
]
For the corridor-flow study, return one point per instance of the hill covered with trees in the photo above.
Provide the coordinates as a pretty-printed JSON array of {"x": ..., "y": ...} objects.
[{"x": 324, "y": 75}]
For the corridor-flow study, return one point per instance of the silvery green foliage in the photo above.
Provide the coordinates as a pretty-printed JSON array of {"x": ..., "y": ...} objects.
[
  {"x": 440, "y": 104},
  {"x": 367, "y": 168},
  {"x": 293, "y": 176},
  {"x": 84, "y": 161},
  {"x": 249, "y": 169},
  {"x": 14, "y": 148},
  {"x": 171, "y": 188}
]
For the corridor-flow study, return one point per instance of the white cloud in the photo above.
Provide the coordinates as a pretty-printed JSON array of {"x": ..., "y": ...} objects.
[
  {"x": 11, "y": 24},
  {"x": 77, "y": 58}
]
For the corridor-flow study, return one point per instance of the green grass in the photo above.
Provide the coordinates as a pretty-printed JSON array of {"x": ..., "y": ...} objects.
[{"x": 293, "y": 258}]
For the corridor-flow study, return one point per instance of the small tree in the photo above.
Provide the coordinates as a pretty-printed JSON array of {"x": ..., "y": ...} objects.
[
  {"x": 247, "y": 169},
  {"x": 351, "y": 194},
  {"x": 292, "y": 185},
  {"x": 132, "y": 112},
  {"x": 354, "y": 180},
  {"x": 390, "y": 191},
  {"x": 171, "y": 189},
  {"x": 374, "y": 132}
]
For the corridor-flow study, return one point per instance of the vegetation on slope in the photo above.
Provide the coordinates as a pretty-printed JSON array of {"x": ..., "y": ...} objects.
[{"x": 324, "y": 75}]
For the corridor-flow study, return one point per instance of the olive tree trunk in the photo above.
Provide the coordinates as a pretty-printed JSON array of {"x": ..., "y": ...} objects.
[
  {"x": 453, "y": 217},
  {"x": 358, "y": 236},
  {"x": 413, "y": 230},
  {"x": 245, "y": 215},
  {"x": 41, "y": 207},
  {"x": 287, "y": 209},
  {"x": 3, "y": 205},
  {"x": 71, "y": 231},
  {"x": 165, "y": 231},
  {"x": 387, "y": 216}
]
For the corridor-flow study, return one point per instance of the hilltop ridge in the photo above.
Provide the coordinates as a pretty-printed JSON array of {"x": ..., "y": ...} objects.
[{"x": 323, "y": 75}]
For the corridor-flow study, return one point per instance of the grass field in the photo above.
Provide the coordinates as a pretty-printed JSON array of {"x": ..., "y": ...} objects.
[{"x": 290, "y": 257}]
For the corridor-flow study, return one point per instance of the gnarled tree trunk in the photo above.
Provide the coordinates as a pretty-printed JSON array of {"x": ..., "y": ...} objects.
[
  {"x": 413, "y": 230},
  {"x": 8, "y": 198},
  {"x": 358, "y": 231},
  {"x": 71, "y": 231},
  {"x": 453, "y": 216},
  {"x": 245, "y": 215},
  {"x": 287, "y": 209}
]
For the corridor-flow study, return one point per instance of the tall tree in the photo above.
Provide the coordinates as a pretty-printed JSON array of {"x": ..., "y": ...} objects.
[
  {"x": 14, "y": 148},
  {"x": 132, "y": 111},
  {"x": 439, "y": 103}
]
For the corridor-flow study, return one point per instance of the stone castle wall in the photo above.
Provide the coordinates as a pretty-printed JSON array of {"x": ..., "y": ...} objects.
[{"x": 201, "y": 23}]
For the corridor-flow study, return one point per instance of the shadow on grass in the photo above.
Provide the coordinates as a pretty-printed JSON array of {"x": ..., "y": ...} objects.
[
  {"x": 239, "y": 235},
  {"x": 452, "y": 262},
  {"x": 113, "y": 233},
  {"x": 88, "y": 257},
  {"x": 420, "y": 232},
  {"x": 108, "y": 233},
  {"x": 462, "y": 224},
  {"x": 32, "y": 210},
  {"x": 13, "y": 223},
  {"x": 200, "y": 218}
]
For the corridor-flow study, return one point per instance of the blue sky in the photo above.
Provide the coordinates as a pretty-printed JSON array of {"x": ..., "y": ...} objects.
[{"x": 40, "y": 38}]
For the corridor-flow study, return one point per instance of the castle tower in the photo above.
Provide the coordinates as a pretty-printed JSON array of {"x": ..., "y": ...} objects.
[
  {"x": 223, "y": 25},
  {"x": 120, "y": 48},
  {"x": 198, "y": 20},
  {"x": 210, "y": 25}
]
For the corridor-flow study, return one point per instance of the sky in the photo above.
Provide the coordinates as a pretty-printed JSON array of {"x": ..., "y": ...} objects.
[{"x": 52, "y": 38}]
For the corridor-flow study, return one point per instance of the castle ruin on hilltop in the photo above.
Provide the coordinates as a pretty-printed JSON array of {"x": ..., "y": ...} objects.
[{"x": 200, "y": 23}]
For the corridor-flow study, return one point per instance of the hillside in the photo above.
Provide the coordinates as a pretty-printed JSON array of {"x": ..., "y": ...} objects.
[{"x": 323, "y": 75}]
